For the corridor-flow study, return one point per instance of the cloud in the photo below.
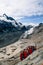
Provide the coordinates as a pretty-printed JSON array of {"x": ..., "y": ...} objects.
[{"x": 20, "y": 8}]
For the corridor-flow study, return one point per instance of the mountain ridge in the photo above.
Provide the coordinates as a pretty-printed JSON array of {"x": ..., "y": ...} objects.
[{"x": 10, "y": 31}]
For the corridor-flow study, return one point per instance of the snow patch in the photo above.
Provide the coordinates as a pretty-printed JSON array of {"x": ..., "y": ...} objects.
[{"x": 28, "y": 32}]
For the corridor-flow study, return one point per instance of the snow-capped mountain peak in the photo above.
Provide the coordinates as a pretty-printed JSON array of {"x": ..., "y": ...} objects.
[{"x": 6, "y": 18}]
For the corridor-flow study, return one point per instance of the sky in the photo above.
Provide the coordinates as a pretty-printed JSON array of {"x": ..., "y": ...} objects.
[{"x": 25, "y": 11}]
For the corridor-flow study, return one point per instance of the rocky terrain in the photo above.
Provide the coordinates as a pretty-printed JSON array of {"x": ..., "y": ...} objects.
[
  {"x": 36, "y": 34},
  {"x": 10, "y": 55},
  {"x": 10, "y": 48}
]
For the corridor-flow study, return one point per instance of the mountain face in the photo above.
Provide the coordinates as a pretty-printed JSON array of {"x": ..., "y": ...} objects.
[
  {"x": 36, "y": 34},
  {"x": 8, "y": 24},
  {"x": 10, "y": 30}
]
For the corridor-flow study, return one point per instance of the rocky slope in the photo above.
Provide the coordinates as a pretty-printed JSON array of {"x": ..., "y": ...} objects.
[
  {"x": 10, "y": 55},
  {"x": 35, "y": 34}
]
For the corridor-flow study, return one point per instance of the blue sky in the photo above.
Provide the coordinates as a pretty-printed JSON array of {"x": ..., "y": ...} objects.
[
  {"x": 25, "y": 11},
  {"x": 32, "y": 19}
]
